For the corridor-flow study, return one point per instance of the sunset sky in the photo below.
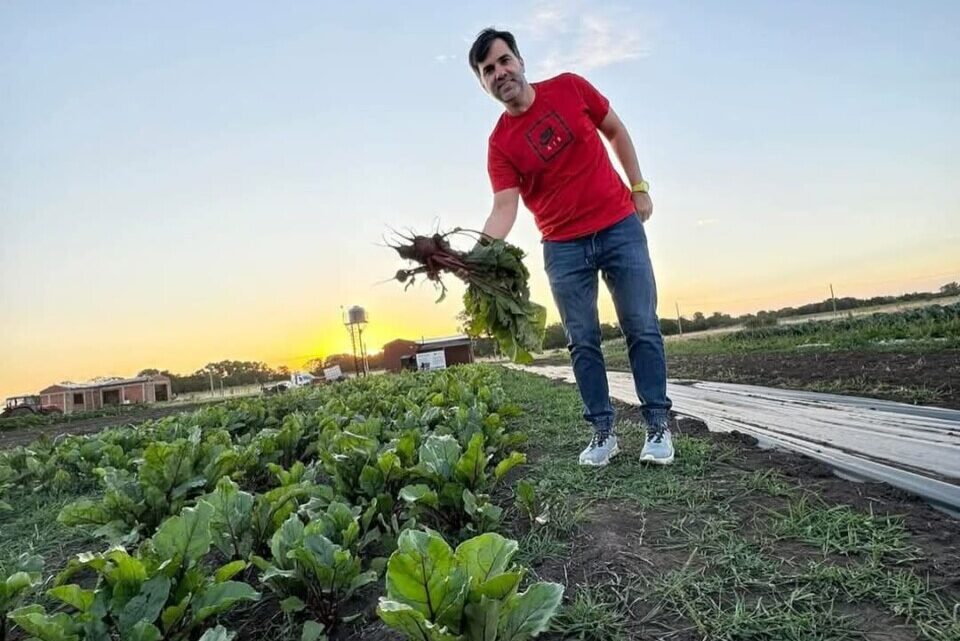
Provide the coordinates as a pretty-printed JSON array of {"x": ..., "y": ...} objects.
[{"x": 185, "y": 182}]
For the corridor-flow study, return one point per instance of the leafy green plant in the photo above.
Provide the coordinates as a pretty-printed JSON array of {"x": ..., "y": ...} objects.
[
  {"x": 435, "y": 593},
  {"x": 169, "y": 476},
  {"x": 528, "y": 504},
  {"x": 163, "y": 592},
  {"x": 314, "y": 574},
  {"x": 23, "y": 578},
  {"x": 242, "y": 523},
  {"x": 450, "y": 498}
]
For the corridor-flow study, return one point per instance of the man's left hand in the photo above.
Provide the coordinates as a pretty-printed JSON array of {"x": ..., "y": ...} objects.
[{"x": 643, "y": 204}]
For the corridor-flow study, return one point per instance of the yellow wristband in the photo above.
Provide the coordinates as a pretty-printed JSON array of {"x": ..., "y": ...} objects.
[{"x": 642, "y": 186}]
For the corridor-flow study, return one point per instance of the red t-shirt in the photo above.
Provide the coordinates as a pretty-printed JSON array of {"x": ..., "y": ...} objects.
[{"x": 554, "y": 154}]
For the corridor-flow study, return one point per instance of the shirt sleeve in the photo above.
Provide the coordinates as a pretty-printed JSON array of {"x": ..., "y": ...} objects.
[
  {"x": 596, "y": 103},
  {"x": 503, "y": 175}
]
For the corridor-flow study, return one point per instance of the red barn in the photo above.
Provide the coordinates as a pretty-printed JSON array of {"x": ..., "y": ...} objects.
[
  {"x": 396, "y": 352},
  {"x": 403, "y": 354}
]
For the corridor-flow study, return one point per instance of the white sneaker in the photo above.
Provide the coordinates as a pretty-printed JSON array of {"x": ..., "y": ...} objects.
[{"x": 600, "y": 450}]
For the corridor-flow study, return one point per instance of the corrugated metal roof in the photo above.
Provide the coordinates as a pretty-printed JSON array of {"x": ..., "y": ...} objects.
[
  {"x": 112, "y": 382},
  {"x": 446, "y": 341}
]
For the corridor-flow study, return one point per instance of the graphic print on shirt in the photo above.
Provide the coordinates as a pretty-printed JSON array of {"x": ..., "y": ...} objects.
[{"x": 549, "y": 136}]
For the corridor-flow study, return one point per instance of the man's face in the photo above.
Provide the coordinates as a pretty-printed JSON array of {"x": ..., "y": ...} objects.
[{"x": 501, "y": 73}]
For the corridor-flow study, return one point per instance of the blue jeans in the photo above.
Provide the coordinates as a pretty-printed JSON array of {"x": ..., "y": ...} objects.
[{"x": 620, "y": 253}]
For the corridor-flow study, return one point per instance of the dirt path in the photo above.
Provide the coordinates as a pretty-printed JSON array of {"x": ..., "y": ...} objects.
[{"x": 26, "y": 435}]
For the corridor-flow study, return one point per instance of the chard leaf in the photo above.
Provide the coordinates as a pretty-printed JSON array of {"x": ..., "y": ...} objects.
[
  {"x": 46, "y": 627},
  {"x": 481, "y": 619},
  {"x": 220, "y": 597},
  {"x": 230, "y": 570},
  {"x": 470, "y": 468},
  {"x": 147, "y": 605},
  {"x": 185, "y": 538},
  {"x": 73, "y": 595},
  {"x": 230, "y": 523},
  {"x": 422, "y": 573},
  {"x": 507, "y": 464},
  {"x": 419, "y": 494},
  {"x": 286, "y": 539},
  {"x": 484, "y": 557},
  {"x": 312, "y": 631},
  {"x": 411, "y": 622},
  {"x": 439, "y": 455},
  {"x": 292, "y": 604},
  {"x": 527, "y": 614},
  {"x": 142, "y": 631}
]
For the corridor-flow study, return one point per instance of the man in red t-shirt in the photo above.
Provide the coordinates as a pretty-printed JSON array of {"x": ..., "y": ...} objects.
[{"x": 547, "y": 149}]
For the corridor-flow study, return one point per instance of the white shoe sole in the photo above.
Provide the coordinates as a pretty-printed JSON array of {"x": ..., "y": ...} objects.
[
  {"x": 613, "y": 452},
  {"x": 649, "y": 458}
]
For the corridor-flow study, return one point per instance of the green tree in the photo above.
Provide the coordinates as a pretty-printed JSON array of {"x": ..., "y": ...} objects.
[{"x": 950, "y": 289}]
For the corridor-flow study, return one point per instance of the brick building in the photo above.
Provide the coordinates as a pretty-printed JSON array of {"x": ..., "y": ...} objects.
[
  {"x": 396, "y": 352},
  {"x": 402, "y": 354},
  {"x": 78, "y": 397}
]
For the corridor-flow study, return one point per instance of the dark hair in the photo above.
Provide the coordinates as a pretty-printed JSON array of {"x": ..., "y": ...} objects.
[{"x": 481, "y": 46}]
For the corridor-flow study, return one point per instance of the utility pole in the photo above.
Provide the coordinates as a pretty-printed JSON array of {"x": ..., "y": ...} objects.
[
  {"x": 679, "y": 322},
  {"x": 211, "y": 381},
  {"x": 834, "y": 299}
]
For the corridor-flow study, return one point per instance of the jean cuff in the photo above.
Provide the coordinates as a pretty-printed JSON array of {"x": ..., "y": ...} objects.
[
  {"x": 603, "y": 427},
  {"x": 656, "y": 417}
]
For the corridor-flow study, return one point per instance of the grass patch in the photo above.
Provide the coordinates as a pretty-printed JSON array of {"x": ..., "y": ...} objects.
[
  {"x": 717, "y": 539},
  {"x": 718, "y": 613},
  {"x": 901, "y": 592},
  {"x": 840, "y": 529},
  {"x": 768, "y": 482},
  {"x": 31, "y": 526},
  {"x": 591, "y": 616},
  {"x": 537, "y": 546}
]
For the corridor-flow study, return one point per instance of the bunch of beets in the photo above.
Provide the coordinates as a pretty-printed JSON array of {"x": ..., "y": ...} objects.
[{"x": 497, "y": 301}]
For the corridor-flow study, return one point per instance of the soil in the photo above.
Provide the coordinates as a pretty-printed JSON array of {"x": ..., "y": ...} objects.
[
  {"x": 26, "y": 435},
  {"x": 888, "y": 375}
]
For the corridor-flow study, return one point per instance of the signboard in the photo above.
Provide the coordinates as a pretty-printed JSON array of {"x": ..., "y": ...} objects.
[
  {"x": 432, "y": 360},
  {"x": 332, "y": 373}
]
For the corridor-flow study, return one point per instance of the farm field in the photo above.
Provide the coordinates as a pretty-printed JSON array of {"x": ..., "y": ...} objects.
[
  {"x": 23, "y": 431},
  {"x": 911, "y": 356},
  {"x": 289, "y": 517}
]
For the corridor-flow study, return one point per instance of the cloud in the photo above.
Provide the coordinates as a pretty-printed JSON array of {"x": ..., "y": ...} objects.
[
  {"x": 575, "y": 36},
  {"x": 444, "y": 58},
  {"x": 705, "y": 222}
]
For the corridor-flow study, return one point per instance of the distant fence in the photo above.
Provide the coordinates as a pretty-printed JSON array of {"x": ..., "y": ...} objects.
[{"x": 226, "y": 392}]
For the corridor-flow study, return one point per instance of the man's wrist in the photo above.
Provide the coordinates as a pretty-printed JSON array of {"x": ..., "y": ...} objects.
[{"x": 641, "y": 186}]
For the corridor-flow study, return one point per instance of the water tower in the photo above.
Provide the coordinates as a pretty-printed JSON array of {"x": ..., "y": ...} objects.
[{"x": 355, "y": 322}]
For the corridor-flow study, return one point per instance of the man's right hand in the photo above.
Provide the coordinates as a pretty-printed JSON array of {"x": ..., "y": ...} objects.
[{"x": 644, "y": 205}]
